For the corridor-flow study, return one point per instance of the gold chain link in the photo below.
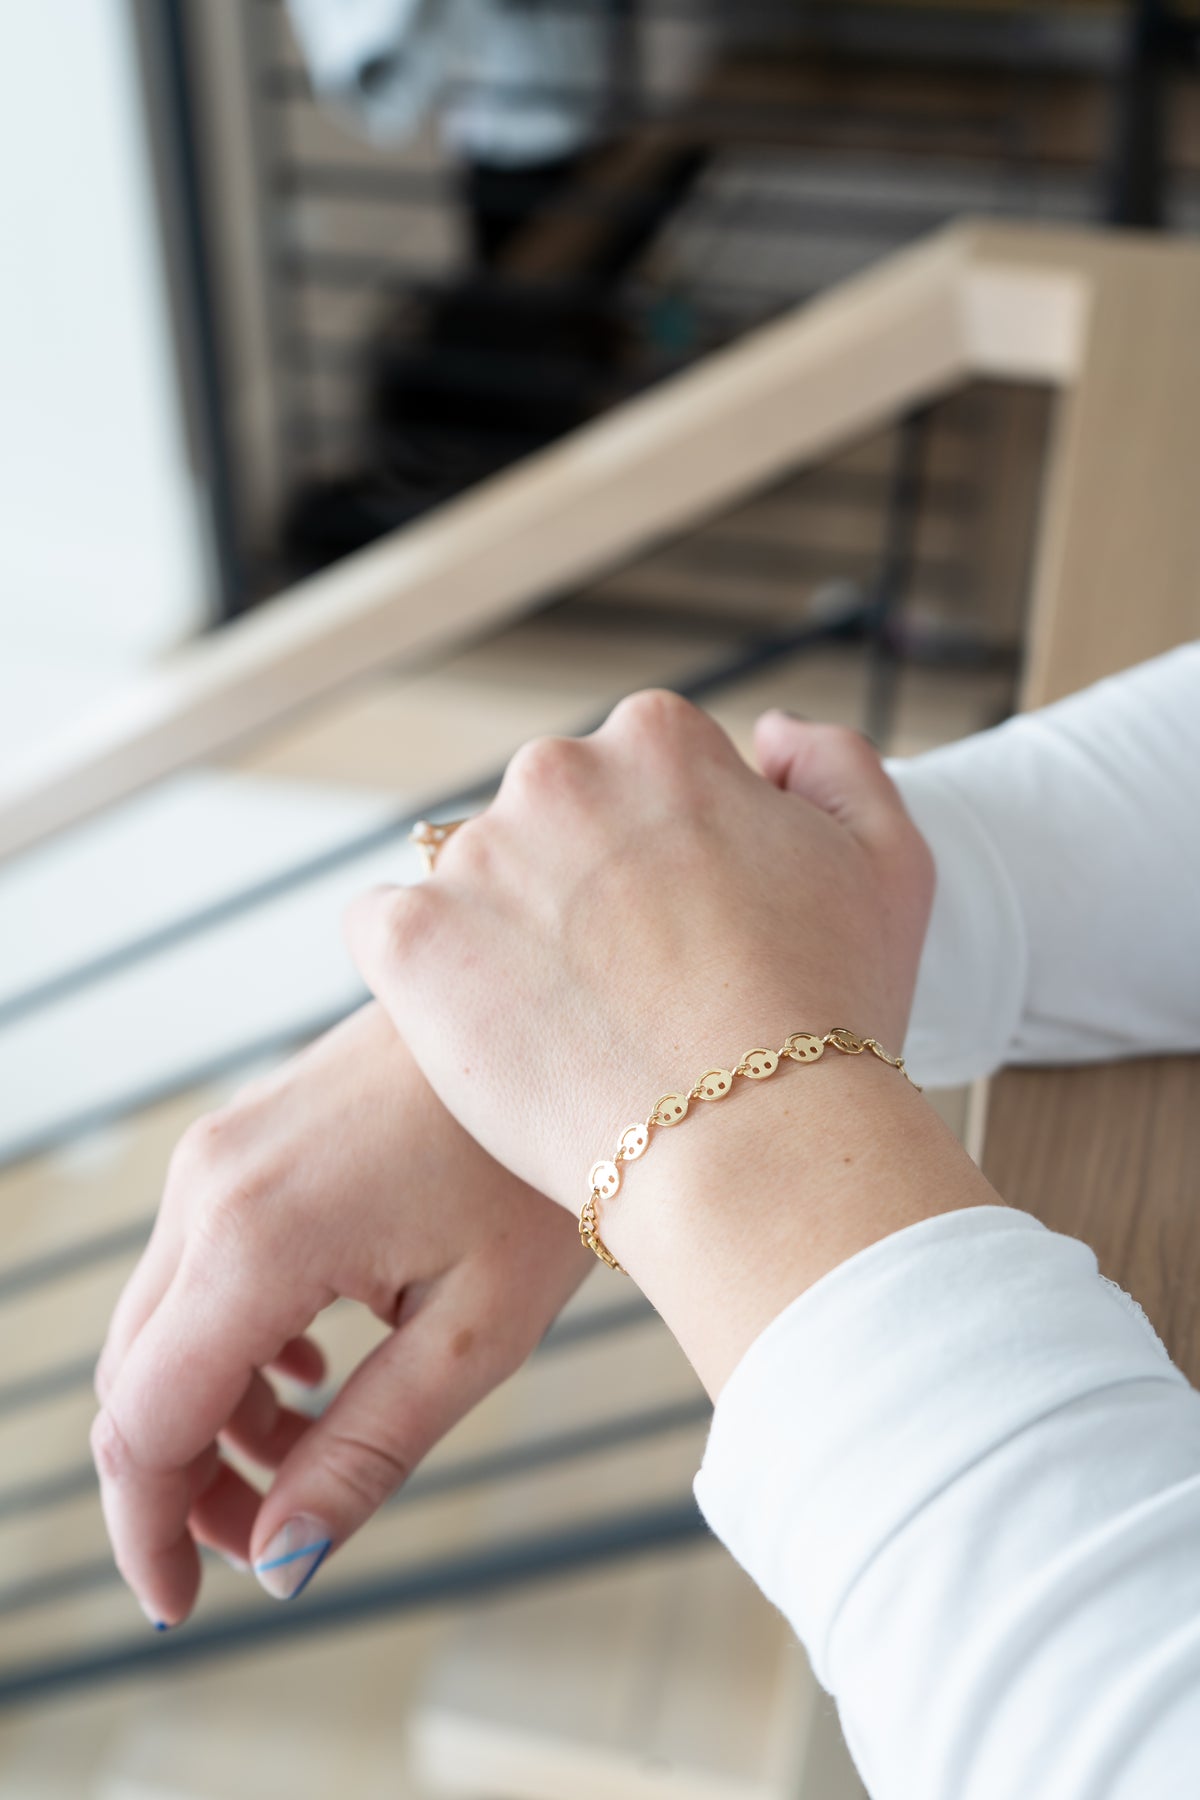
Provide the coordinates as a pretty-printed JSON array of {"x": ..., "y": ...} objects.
[{"x": 604, "y": 1181}]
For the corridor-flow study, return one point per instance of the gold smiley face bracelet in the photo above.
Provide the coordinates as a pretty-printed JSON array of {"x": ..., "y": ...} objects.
[{"x": 604, "y": 1180}]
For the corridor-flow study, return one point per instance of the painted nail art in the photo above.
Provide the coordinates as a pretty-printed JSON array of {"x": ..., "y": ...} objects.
[{"x": 293, "y": 1556}]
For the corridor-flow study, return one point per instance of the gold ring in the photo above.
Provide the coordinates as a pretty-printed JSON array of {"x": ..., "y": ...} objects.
[{"x": 430, "y": 838}]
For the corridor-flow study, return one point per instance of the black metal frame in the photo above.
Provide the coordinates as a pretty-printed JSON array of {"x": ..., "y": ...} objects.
[{"x": 168, "y": 87}]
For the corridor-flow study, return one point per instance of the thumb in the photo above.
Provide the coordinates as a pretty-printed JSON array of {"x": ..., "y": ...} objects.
[
  {"x": 398, "y": 1403},
  {"x": 836, "y": 769}
]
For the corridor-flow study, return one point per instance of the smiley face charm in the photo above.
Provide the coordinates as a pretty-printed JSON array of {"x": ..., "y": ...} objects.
[
  {"x": 634, "y": 1139},
  {"x": 670, "y": 1109},
  {"x": 604, "y": 1179},
  {"x": 758, "y": 1064},
  {"x": 714, "y": 1084},
  {"x": 802, "y": 1046}
]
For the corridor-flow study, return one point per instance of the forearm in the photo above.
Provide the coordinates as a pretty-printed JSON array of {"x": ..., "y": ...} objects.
[
  {"x": 957, "y": 1459},
  {"x": 733, "y": 1214}
]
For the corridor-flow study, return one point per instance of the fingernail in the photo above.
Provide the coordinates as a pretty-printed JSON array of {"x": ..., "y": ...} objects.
[
  {"x": 236, "y": 1563},
  {"x": 293, "y": 1556},
  {"x": 156, "y": 1622}
]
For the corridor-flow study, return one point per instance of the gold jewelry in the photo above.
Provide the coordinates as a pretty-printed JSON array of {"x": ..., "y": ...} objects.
[
  {"x": 604, "y": 1180},
  {"x": 430, "y": 838}
]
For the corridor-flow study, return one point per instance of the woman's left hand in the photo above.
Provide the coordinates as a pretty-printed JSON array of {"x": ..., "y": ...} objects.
[
  {"x": 635, "y": 901},
  {"x": 338, "y": 1175}
]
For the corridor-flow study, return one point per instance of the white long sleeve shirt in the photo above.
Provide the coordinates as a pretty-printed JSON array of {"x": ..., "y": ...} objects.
[{"x": 962, "y": 1463}]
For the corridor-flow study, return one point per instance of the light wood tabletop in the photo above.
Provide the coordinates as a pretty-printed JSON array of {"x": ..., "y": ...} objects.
[{"x": 1108, "y": 1154}]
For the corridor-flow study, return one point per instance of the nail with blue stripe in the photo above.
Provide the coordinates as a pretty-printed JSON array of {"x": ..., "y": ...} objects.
[{"x": 293, "y": 1556}]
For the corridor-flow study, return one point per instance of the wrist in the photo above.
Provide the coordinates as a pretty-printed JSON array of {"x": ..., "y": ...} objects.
[{"x": 732, "y": 1215}]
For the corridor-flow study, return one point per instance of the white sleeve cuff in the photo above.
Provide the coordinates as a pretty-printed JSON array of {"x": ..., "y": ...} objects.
[
  {"x": 970, "y": 990},
  {"x": 1067, "y": 847}
]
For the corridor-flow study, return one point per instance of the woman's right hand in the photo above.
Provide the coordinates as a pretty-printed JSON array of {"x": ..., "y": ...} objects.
[{"x": 340, "y": 1174}]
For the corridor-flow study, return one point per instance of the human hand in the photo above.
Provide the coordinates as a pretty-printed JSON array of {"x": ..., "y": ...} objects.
[
  {"x": 340, "y": 1174},
  {"x": 649, "y": 900}
]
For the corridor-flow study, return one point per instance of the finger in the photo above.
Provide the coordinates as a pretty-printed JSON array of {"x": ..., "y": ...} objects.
[
  {"x": 187, "y": 1172},
  {"x": 400, "y": 1400},
  {"x": 261, "y": 1428},
  {"x": 182, "y": 1380},
  {"x": 302, "y": 1360},
  {"x": 139, "y": 1297},
  {"x": 835, "y": 769},
  {"x": 222, "y": 1518}
]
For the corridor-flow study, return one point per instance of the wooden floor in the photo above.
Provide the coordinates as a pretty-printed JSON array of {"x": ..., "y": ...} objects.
[{"x": 665, "y": 1676}]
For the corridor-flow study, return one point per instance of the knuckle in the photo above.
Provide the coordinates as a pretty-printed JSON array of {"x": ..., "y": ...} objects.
[
  {"x": 367, "y": 1471},
  {"x": 222, "y": 1167},
  {"x": 199, "y": 1150},
  {"x": 681, "y": 751},
  {"x": 544, "y": 765},
  {"x": 389, "y": 925},
  {"x": 679, "y": 741},
  {"x": 110, "y": 1451},
  {"x": 656, "y": 713},
  {"x": 470, "y": 850},
  {"x": 215, "y": 1153},
  {"x": 229, "y": 1211},
  {"x": 407, "y": 917}
]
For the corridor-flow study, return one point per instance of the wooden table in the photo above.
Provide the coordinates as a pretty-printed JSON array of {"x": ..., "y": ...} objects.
[{"x": 1111, "y": 1154}]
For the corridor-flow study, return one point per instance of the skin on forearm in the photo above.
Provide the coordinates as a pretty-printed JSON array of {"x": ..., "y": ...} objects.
[{"x": 734, "y": 1213}]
